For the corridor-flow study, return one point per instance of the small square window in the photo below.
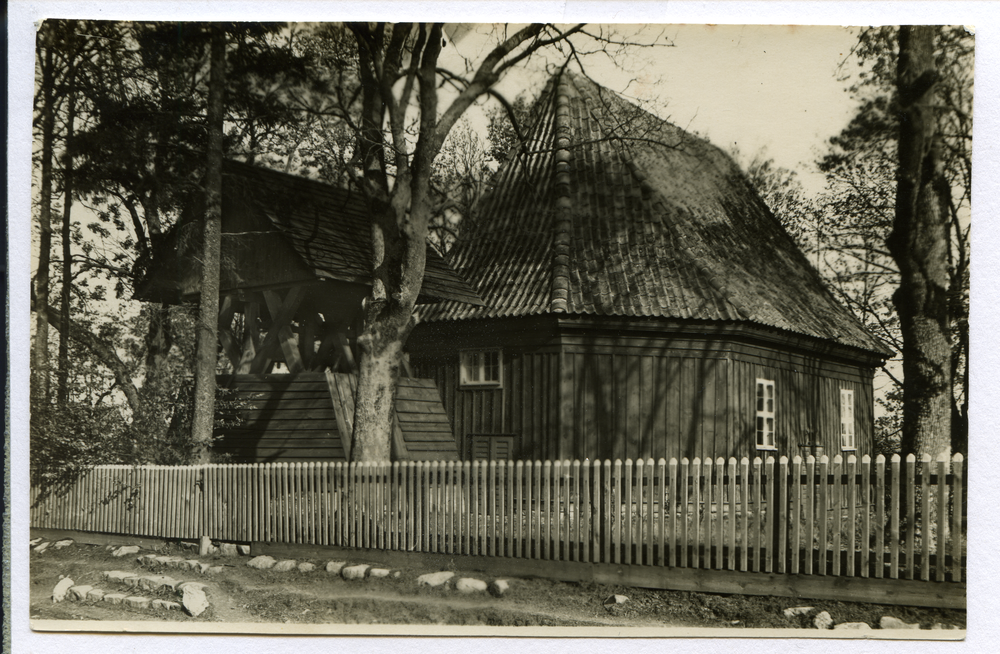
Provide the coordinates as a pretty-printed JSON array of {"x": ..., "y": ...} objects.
[
  {"x": 847, "y": 440},
  {"x": 481, "y": 368},
  {"x": 765, "y": 414}
]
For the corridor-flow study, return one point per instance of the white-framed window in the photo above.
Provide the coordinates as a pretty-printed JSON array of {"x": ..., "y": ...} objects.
[
  {"x": 765, "y": 414},
  {"x": 847, "y": 441},
  {"x": 481, "y": 367}
]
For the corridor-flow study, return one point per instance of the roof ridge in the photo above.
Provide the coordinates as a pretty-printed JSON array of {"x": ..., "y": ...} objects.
[{"x": 562, "y": 227}]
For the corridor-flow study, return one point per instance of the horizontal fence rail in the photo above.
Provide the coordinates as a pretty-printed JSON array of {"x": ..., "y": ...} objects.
[{"x": 897, "y": 519}]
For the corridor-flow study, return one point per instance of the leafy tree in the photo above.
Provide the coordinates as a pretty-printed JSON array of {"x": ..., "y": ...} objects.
[{"x": 861, "y": 202}]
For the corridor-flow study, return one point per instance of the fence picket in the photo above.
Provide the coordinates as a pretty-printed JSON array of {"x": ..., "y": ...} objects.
[
  {"x": 745, "y": 522},
  {"x": 866, "y": 514},
  {"x": 695, "y": 471},
  {"x": 896, "y": 488},
  {"x": 581, "y": 499},
  {"x": 685, "y": 479},
  {"x": 925, "y": 515},
  {"x": 720, "y": 512},
  {"x": 880, "y": 526},
  {"x": 782, "y": 514},
  {"x": 940, "y": 547},
  {"x": 672, "y": 506},
  {"x": 852, "y": 513},
  {"x": 627, "y": 512},
  {"x": 553, "y": 510},
  {"x": 596, "y": 518},
  {"x": 957, "y": 511},
  {"x": 511, "y": 510},
  {"x": 520, "y": 512},
  {"x": 769, "y": 519},
  {"x": 823, "y": 511},
  {"x": 837, "y": 501},
  {"x": 757, "y": 498},
  {"x": 911, "y": 476}
]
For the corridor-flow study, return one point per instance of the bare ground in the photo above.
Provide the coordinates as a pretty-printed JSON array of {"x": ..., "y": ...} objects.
[{"x": 245, "y": 595}]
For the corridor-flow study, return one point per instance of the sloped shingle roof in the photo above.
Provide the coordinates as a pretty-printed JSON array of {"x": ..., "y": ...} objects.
[
  {"x": 611, "y": 211},
  {"x": 329, "y": 229}
]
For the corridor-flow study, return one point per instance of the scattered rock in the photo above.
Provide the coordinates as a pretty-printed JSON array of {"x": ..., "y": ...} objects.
[
  {"x": 354, "y": 571},
  {"x": 165, "y": 604},
  {"x": 615, "y": 600},
  {"x": 243, "y": 550},
  {"x": 63, "y": 543},
  {"x": 857, "y": 626},
  {"x": 188, "y": 545},
  {"x": 334, "y": 567},
  {"x": 192, "y": 584},
  {"x": 146, "y": 559},
  {"x": 797, "y": 610},
  {"x": 80, "y": 593},
  {"x": 191, "y": 564},
  {"x": 137, "y": 602},
  {"x": 115, "y": 598},
  {"x": 35, "y": 541},
  {"x": 125, "y": 550},
  {"x": 305, "y": 566},
  {"x": 379, "y": 572},
  {"x": 286, "y": 565},
  {"x": 194, "y": 600},
  {"x": 117, "y": 575},
  {"x": 889, "y": 622},
  {"x": 499, "y": 587},
  {"x": 96, "y": 595},
  {"x": 261, "y": 562},
  {"x": 470, "y": 585},
  {"x": 823, "y": 620},
  {"x": 59, "y": 592},
  {"x": 155, "y": 582},
  {"x": 227, "y": 549},
  {"x": 42, "y": 547},
  {"x": 434, "y": 579},
  {"x": 215, "y": 569}
]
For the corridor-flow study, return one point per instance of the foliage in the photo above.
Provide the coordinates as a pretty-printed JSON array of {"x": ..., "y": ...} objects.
[{"x": 860, "y": 168}]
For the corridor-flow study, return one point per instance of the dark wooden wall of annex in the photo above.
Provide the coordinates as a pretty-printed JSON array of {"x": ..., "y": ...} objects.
[
  {"x": 586, "y": 395},
  {"x": 691, "y": 398}
]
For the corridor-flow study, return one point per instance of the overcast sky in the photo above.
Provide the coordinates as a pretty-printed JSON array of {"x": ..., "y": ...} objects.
[{"x": 757, "y": 86}]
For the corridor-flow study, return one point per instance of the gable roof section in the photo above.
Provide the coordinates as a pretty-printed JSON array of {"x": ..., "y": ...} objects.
[
  {"x": 611, "y": 211},
  {"x": 329, "y": 228}
]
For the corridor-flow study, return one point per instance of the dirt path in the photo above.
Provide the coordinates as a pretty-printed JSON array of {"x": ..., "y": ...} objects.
[{"x": 240, "y": 594}]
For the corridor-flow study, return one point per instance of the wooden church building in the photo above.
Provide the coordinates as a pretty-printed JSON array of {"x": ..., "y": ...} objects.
[
  {"x": 295, "y": 266},
  {"x": 639, "y": 299}
]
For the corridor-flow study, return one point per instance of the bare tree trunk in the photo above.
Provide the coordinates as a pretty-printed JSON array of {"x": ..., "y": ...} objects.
[
  {"x": 40, "y": 347},
  {"x": 399, "y": 264},
  {"x": 919, "y": 244},
  {"x": 62, "y": 374},
  {"x": 208, "y": 314}
]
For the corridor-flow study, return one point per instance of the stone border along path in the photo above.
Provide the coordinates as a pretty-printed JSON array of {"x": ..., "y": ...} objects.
[
  {"x": 193, "y": 595},
  {"x": 194, "y": 599}
]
